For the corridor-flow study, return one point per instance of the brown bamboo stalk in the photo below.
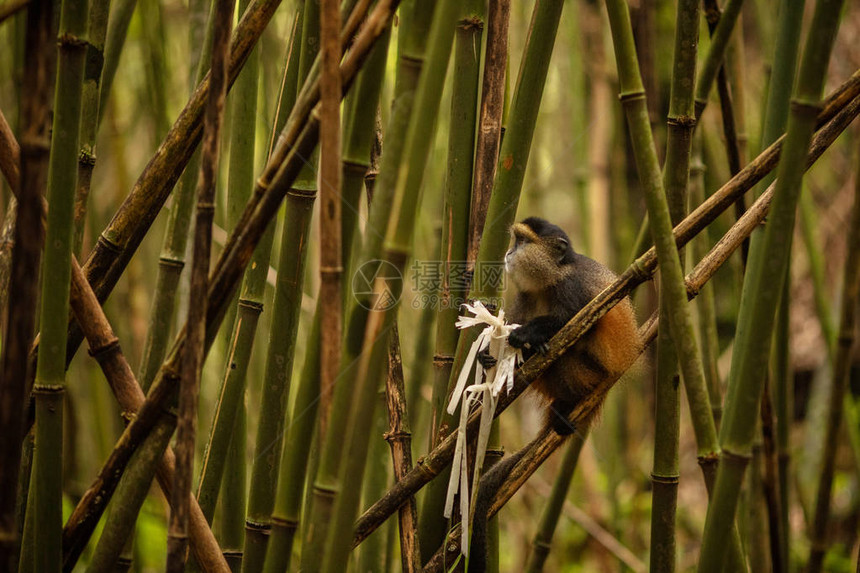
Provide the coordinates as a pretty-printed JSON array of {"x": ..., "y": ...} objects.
[
  {"x": 489, "y": 121},
  {"x": 193, "y": 351},
  {"x": 640, "y": 271},
  {"x": 399, "y": 437},
  {"x": 331, "y": 268},
  {"x": 26, "y": 168}
]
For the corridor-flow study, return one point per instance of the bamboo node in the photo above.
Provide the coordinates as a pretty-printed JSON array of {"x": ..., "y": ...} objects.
[
  {"x": 87, "y": 158},
  {"x": 498, "y": 453},
  {"x": 541, "y": 544},
  {"x": 251, "y": 304},
  {"x": 331, "y": 271},
  {"x": 302, "y": 193},
  {"x": 629, "y": 97},
  {"x": 171, "y": 262},
  {"x": 399, "y": 435},
  {"x": 258, "y": 526},
  {"x": 109, "y": 346},
  {"x": 442, "y": 359},
  {"x": 325, "y": 492},
  {"x": 355, "y": 167},
  {"x": 285, "y": 523},
  {"x": 411, "y": 61},
  {"x": 109, "y": 244},
  {"x": 471, "y": 23},
  {"x": 206, "y": 206},
  {"x": 806, "y": 108},
  {"x": 730, "y": 456},
  {"x": 688, "y": 121},
  {"x": 48, "y": 390},
  {"x": 70, "y": 41},
  {"x": 668, "y": 480}
]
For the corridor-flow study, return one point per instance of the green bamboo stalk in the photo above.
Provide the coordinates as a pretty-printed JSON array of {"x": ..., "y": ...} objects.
[
  {"x": 783, "y": 70},
  {"x": 836, "y": 398},
  {"x": 56, "y": 273},
  {"x": 230, "y": 406},
  {"x": 705, "y": 304},
  {"x": 396, "y": 249},
  {"x": 296, "y": 448},
  {"x": 97, "y": 29},
  {"x": 151, "y": 16},
  {"x": 171, "y": 261},
  {"x": 132, "y": 490},
  {"x": 680, "y": 325},
  {"x": 194, "y": 350},
  {"x": 665, "y": 473},
  {"x": 120, "y": 18},
  {"x": 455, "y": 241},
  {"x": 761, "y": 289},
  {"x": 23, "y": 287},
  {"x": 282, "y": 339},
  {"x": 373, "y": 555},
  {"x": 234, "y": 494},
  {"x": 714, "y": 58},
  {"x": 555, "y": 502}
]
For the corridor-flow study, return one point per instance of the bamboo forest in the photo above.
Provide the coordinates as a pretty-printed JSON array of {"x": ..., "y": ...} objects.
[{"x": 429, "y": 286}]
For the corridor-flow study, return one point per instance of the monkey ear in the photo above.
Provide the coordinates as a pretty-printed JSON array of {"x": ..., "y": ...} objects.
[{"x": 560, "y": 246}]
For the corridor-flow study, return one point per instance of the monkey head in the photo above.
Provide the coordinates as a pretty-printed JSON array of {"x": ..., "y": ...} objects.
[{"x": 540, "y": 256}]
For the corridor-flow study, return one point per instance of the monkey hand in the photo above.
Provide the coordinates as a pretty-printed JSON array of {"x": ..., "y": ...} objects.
[
  {"x": 532, "y": 336},
  {"x": 486, "y": 359}
]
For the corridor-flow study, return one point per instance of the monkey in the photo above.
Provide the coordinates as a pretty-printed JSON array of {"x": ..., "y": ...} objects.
[{"x": 553, "y": 283}]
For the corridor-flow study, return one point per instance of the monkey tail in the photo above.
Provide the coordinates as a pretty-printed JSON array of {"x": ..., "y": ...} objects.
[{"x": 487, "y": 489}]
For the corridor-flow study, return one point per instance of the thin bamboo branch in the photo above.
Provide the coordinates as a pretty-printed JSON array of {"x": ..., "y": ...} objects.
[{"x": 194, "y": 349}]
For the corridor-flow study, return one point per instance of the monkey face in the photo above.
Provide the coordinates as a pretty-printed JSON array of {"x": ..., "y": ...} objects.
[{"x": 535, "y": 260}]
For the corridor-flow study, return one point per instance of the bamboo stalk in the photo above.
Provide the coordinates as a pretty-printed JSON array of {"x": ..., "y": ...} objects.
[
  {"x": 841, "y": 370},
  {"x": 430, "y": 465},
  {"x": 396, "y": 249},
  {"x": 331, "y": 241},
  {"x": 489, "y": 137},
  {"x": 171, "y": 261},
  {"x": 714, "y": 58},
  {"x": 460, "y": 227},
  {"x": 706, "y": 307},
  {"x": 287, "y": 497},
  {"x": 282, "y": 338},
  {"x": 117, "y": 31},
  {"x": 49, "y": 387},
  {"x": 680, "y": 122},
  {"x": 194, "y": 349},
  {"x": 542, "y": 541},
  {"x": 26, "y": 173},
  {"x": 326, "y": 474},
  {"x": 515, "y": 149},
  {"x": 760, "y": 296},
  {"x": 399, "y": 438},
  {"x": 230, "y": 407},
  {"x": 96, "y": 31}
]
